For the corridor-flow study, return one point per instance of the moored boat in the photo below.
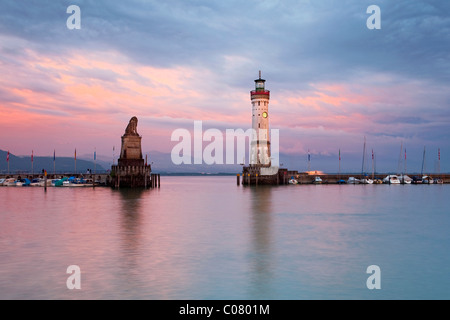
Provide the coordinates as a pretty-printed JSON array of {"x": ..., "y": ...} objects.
[
  {"x": 23, "y": 182},
  {"x": 391, "y": 179},
  {"x": 427, "y": 180},
  {"x": 353, "y": 180},
  {"x": 37, "y": 182},
  {"x": 366, "y": 181},
  {"x": 10, "y": 182},
  {"x": 404, "y": 179}
]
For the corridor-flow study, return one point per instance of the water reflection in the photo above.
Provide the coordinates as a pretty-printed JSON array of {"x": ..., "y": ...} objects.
[
  {"x": 261, "y": 256},
  {"x": 130, "y": 227}
]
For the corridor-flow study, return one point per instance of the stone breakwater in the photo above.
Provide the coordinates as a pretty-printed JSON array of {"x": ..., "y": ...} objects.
[{"x": 252, "y": 176}]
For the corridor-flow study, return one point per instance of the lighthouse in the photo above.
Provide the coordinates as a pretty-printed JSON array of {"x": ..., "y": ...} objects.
[{"x": 260, "y": 143}]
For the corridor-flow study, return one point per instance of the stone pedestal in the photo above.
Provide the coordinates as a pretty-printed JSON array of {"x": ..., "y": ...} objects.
[
  {"x": 131, "y": 148},
  {"x": 131, "y": 171}
]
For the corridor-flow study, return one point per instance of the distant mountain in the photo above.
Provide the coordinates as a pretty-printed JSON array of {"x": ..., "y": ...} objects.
[{"x": 62, "y": 164}]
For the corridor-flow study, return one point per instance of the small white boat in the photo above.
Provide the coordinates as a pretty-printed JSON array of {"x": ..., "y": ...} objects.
[
  {"x": 404, "y": 179},
  {"x": 391, "y": 179},
  {"x": 293, "y": 181},
  {"x": 353, "y": 180},
  {"x": 367, "y": 181},
  {"x": 10, "y": 182},
  {"x": 38, "y": 182},
  {"x": 1, "y": 181},
  {"x": 317, "y": 180}
]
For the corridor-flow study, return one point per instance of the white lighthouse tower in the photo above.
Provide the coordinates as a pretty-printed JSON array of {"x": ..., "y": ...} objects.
[{"x": 260, "y": 144}]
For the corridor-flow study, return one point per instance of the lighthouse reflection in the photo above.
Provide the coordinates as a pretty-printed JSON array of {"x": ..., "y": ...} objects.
[{"x": 261, "y": 258}]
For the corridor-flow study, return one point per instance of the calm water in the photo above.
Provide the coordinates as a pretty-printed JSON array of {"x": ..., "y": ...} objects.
[{"x": 206, "y": 238}]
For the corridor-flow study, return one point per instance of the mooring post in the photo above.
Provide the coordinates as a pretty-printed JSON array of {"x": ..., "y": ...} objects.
[
  {"x": 256, "y": 178},
  {"x": 45, "y": 180},
  {"x": 237, "y": 178},
  {"x": 159, "y": 180}
]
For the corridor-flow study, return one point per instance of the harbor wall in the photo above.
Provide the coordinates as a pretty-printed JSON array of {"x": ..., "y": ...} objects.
[{"x": 252, "y": 176}]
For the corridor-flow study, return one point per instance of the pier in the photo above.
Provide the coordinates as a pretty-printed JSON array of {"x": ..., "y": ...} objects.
[
  {"x": 98, "y": 180},
  {"x": 252, "y": 176}
]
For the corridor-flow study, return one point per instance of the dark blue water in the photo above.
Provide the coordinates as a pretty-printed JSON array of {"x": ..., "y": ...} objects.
[{"x": 206, "y": 238}]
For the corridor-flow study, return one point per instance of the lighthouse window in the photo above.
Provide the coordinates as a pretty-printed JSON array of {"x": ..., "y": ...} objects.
[
  {"x": 259, "y": 125},
  {"x": 259, "y": 103}
]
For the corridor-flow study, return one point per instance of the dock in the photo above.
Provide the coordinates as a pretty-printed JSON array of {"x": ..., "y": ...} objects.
[
  {"x": 252, "y": 176},
  {"x": 99, "y": 180}
]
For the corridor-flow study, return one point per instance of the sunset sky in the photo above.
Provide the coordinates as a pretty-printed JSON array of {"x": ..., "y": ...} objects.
[{"x": 332, "y": 80}]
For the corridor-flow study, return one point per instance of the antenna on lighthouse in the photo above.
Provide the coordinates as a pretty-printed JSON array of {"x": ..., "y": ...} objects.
[{"x": 260, "y": 74}]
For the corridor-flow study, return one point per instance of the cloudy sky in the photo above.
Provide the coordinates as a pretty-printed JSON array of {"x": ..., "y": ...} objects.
[{"x": 332, "y": 80}]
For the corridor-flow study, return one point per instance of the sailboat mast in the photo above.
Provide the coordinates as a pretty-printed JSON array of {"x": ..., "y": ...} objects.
[
  {"x": 404, "y": 171},
  {"x": 339, "y": 172},
  {"x": 439, "y": 161},
  {"x": 399, "y": 168},
  {"x": 423, "y": 161},
  {"x": 364, "y": 157},
  {"x": 373, "y": 165}
]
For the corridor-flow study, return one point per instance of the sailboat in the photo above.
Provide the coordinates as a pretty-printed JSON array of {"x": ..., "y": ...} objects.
[
  {"x": 364, "y": 178},
  {"x": 425, "y": 178},
  {"x": 404, "y": 179}
]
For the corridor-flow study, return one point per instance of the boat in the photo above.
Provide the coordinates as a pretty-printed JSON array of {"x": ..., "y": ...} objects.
[
  {"x": 404, "y": 179},
  {"x": 23, "y": 182},
  {"x": 366, "y": 180},
  {"x": 37, "y": 182},
  {"x": 438, "y": 181},
  {"x": 10, "y": 182},
  {"x": 317, "y": 180},
  {"x": 341, "y": 181},
  {"x": 427, "y": 180},
  {"x": 416, "y": 180},
  {"x": 1, "y": 181},
  {"x": 77, "y": 182},
  {"x": 81, "y": 182},
  {"x": 293, "y": 181},
  {"x": 391, "y": 179},
  {"x": 377, "y": 181},
  {"x": 59, "y": 183},
  {"x": 353, "y": 180}
]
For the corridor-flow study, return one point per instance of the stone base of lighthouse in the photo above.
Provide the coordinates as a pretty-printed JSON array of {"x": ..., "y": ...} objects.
[{"x": 259, "y": 175}]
